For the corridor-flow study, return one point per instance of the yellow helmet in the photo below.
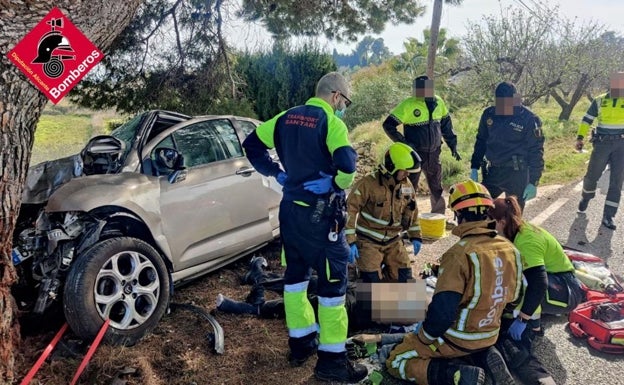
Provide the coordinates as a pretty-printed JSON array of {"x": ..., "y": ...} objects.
[
  {"x": 400, "y": 156},
  {"x": 467, "y": 194}
]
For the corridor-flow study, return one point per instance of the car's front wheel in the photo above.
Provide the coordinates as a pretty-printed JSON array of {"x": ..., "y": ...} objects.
[{"x": 123, "y": 279}]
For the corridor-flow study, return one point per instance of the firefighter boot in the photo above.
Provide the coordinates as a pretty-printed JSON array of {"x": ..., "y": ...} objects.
[
  {"x": 492, "y": 361},
  {"x": 442, "y": 371},
  {"x": 227, "y": 305},
  {"x": 337, "y": 367},
  {"x": 608, "y": 222},
  {"x": 302, "y": 348},
  {"x": 583, "y": 206}
]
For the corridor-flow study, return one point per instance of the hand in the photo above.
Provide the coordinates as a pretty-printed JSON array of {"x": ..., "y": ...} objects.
[
  {"x": 417, "y": 244},
  {"x": 530, "y": 191},
  {"x": 516, "y": 329},
  {"x": 579, "y": 145},
  {"x": 474, "y": 174},
  {"x": 281, "y": 178},
  {"x": 354, "y": 254},
  {"x": 417, "y": 327},
  {"x": 322, "y": 185},
  {"x": 455, "y": 154}
]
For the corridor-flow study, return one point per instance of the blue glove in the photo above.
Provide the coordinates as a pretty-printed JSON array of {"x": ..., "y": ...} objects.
[
  {"x": 474, "y": 174},
  {"x": 281, "y": 178},
  {"x": 416, "y": 243},
  {"x": 354, "y": 254},
  {"x": 516, "y": 329},
  {"x": 322, "y": 185},
  {"x": 417, "y": 327},
  {"x": 530, "y": 191}
]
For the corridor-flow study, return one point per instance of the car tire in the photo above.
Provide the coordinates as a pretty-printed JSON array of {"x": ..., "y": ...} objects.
[{"x": 124, "y": 279}]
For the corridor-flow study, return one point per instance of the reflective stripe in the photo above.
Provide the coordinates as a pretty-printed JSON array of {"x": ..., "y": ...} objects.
[
  {"x": 296, "y": 287},
  {"x": 589, "y": 117},
  {"x": 302, "y": 332},
  {"x": 589, "y": 191},
  {"x": 612, "y": 204},
  {"x": 472, "y": 336},
  {"x": 333, "y": 348},
  {"x": 331, "y": 301},
  {"x": 350, "y": 232},
  {"x": 610, "y": 126},
  {"x": 461, "y": 325},
  {"x": 414, "y": 228},
  {"x": 357, "y": 192},
  {"x": 429, "y": 336},
  {"x": 401, "y": 359},
  {"x": 395, "y": 224},
  {"x": 373, "y": 219},
  {"x": 374, "y": 234},
  {"x": 519, "y": 275}
]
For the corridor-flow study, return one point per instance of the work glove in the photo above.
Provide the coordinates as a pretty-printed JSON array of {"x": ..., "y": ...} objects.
[
  {"x": 516, "y": 329},
  {"x": 530, "y": 191},
  {"x": 281, "y": 178},
  {"x": 417, "y": 244},
  {"x": 455, "y": 154},
  {"x": 319, "y": 186},
  {"x": 579, "y": 144},
  {"x": 417, "y": 327},
  {"x": 474, "y": 174},
  {"x": 354, "y": 254}
]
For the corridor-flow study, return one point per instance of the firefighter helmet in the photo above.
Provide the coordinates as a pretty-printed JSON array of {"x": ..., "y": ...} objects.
[
  {"x": 400, "y": 156},
  {"x": 468, "y": 194}
]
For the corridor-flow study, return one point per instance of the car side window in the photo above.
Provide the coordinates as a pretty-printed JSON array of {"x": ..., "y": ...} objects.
[
  {"x": 228, "y": 135},
  {"x": 199, "y": 143},
  {"x": 246, "y": 126},
  {"x": 160, "y": 169}
]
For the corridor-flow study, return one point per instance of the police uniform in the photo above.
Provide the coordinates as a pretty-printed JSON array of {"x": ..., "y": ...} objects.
[
  {"x": 425, "y": 123},
  {"x": 608, "y": 148},
  {"x": 378, "y": 209},
  {"x": 484, "y": 270},
  {"x": 309, "y": 139},
  {"x": 510, "y": 151}
]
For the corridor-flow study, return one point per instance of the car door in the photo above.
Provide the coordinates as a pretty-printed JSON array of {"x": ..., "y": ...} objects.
[{"x": 219, "y": 210}]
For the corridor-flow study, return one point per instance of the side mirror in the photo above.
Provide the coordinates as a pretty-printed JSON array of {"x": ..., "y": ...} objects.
[{"x": 169, "y": 158}]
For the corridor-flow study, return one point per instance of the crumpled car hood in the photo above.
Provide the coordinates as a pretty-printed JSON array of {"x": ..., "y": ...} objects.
[{"x": 45, "y": 178}]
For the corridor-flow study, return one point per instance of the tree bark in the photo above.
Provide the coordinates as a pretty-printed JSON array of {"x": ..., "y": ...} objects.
[
  {"x": 433, "y": 43},
  {"x": 21, "y": 104}
]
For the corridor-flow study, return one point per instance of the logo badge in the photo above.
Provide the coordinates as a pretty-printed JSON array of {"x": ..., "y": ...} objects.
[
  {"x": 417, "y": 112},
  {"x": 55, "y": 55},
  {"x": 489, "y": 121}
]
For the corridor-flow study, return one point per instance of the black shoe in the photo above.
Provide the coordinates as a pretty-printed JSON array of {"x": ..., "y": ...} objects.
[
  {"x": 336, "y": 367},
  {"x": 583, "y": 206},
  {"x": 515, "y": 354},
  {"x": 465, "y": 374},
  {"x": 256, "y": 295},
  {"x": 608, "y": 223},
  {"x": 256, "y": 266},
  {"x": 299, "y": 361},
  {"x": 496, "y": 367}
]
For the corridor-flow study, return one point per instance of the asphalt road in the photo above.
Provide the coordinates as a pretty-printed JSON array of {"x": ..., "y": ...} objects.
[{"x": 571, "y": 360}]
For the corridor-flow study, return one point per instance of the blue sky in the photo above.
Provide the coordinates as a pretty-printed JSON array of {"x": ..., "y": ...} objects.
[{"x": 455, "y": 19}]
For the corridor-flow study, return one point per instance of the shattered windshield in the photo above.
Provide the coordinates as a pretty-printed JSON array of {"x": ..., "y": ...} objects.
[{"x": 127, "y": 133}]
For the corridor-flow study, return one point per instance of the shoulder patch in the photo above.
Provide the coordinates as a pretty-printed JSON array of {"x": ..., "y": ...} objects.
[{"x": 417, "y": 112}]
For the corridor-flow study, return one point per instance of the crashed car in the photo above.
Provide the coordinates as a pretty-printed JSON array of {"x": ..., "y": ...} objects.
[{"x": 164, "y": 199}]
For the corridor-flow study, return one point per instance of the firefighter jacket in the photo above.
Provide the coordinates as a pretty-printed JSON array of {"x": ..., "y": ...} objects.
[
  {"x": 483, "y": 268},
  {"x": 610, "y": 114},
  {"x": 424, "y": 124},
  {"x": 308, "y": 139},
  {"x": 379, "y": 208},
  {"x": 510, "y": 141}
]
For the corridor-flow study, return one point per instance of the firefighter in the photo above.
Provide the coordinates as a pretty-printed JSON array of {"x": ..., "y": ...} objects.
[
  {"x": 550, "y": 287},
  {"x": 380, "y": 206},
  {"x": 478, "y": 276},
  {"x": 426, "y": 120},
  {"x": 509, "y": 148},
  {"x": 319, "y": 163},
  {"x": 608, "y": 143}
]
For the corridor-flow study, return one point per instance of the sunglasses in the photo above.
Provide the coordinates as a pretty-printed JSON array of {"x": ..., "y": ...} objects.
[{"x": 347, "y": 100}]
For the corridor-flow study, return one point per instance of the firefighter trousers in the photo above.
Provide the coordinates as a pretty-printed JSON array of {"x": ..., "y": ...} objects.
[
  {"x": 373, "y": 255},
  {"x": 606, "y": 152}
]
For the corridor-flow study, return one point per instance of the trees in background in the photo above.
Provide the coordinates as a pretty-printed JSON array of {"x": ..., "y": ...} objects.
[
  {"x": 283, "y": 77},
  {"x": 368, "y": 51},
  {"x": 414, "y": 59}
]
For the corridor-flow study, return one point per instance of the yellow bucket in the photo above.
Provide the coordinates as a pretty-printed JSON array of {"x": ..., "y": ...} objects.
[{"x": 432, "y": 226}]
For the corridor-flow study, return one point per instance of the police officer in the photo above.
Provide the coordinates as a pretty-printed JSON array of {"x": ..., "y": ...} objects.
[
  {"x": 509, "y": 148},
  {"x": 380, "y": 206},
  {"x": 319, "y": 163},
  {"x": 426, "y": 120},
  {"x": 608, "y": 142},
  {"x": 478, "y": 276}
]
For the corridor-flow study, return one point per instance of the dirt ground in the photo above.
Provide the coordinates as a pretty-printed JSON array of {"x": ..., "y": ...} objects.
[{"x": 178, "y": 351}]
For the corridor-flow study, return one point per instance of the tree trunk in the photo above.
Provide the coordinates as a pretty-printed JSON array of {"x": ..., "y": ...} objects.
[
  {"x": 20, "y": 108},
  {"x": 433, "y": 43}
]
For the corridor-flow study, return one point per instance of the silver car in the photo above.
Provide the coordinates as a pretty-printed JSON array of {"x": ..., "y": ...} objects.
[{"x": 162, "y": 200}]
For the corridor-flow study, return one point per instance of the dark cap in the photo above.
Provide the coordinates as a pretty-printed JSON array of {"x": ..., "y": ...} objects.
[
  {"x": 505, "y": 90},
  {"x": 419, "y": 82}
]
